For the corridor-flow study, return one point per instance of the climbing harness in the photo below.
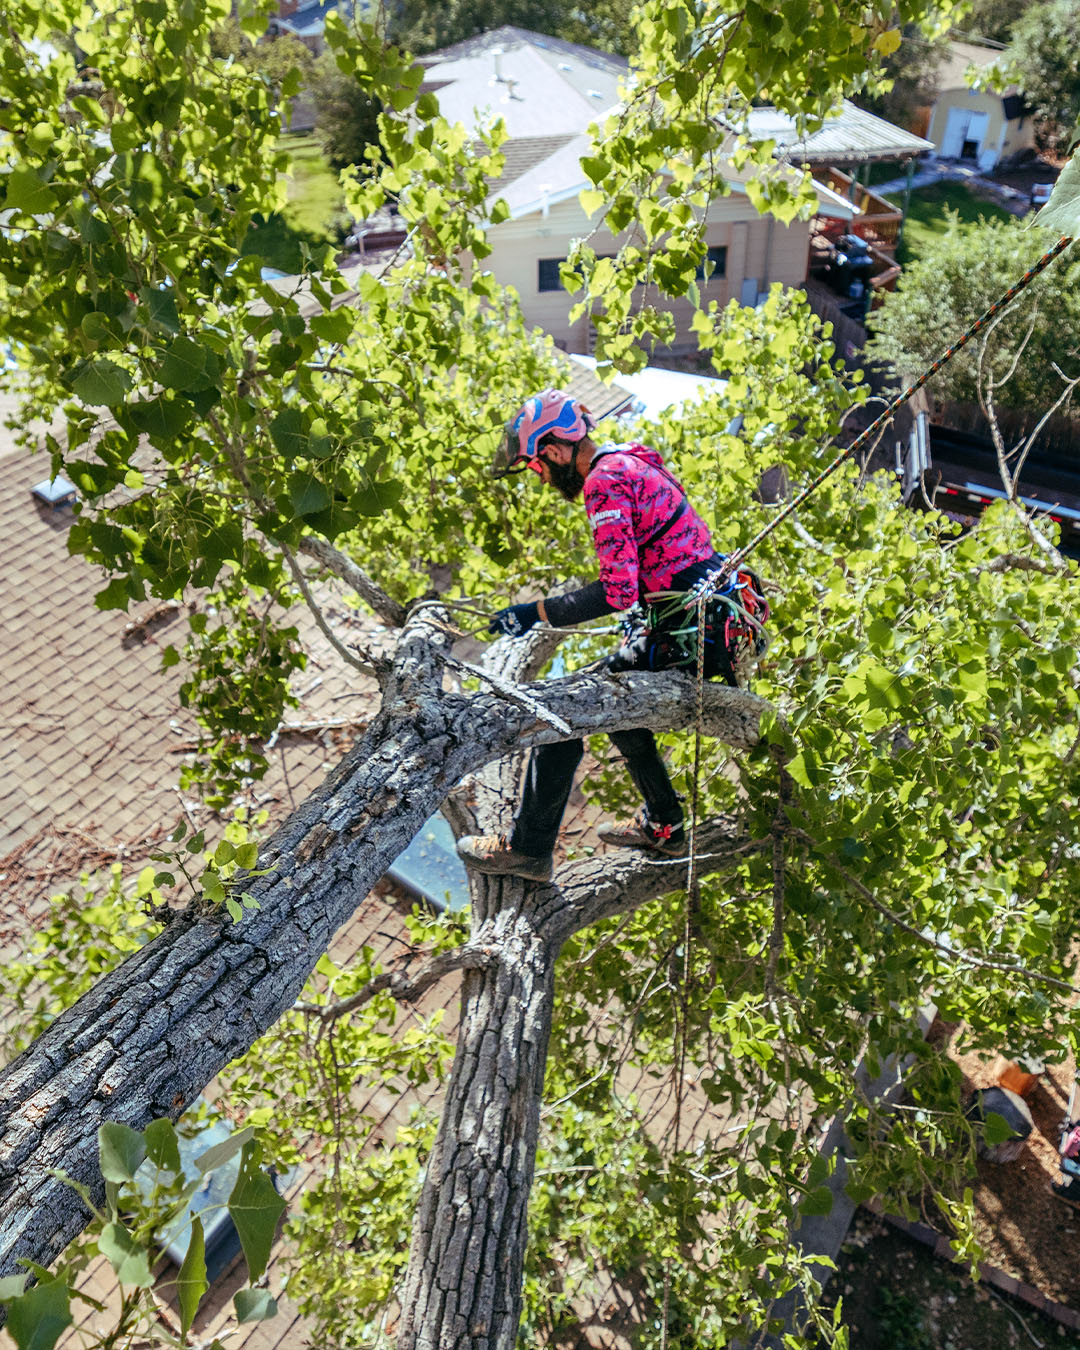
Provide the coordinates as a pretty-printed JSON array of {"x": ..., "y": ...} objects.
[{"x": 720, "y": 627}]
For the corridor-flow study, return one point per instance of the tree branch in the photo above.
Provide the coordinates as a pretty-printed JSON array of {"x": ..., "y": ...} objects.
[
  {"x": 512, "y": 692},
  {"x": 958, "y": 954},
  {"x": 621, "y": 880},
  {"x": 401, "y": 985},
  {"x": 367, "y": 665},
  {"x": 154, "y": 1031},
  {"x": 343, "y": 567}
]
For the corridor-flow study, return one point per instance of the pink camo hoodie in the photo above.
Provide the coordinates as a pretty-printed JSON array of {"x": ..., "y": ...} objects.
[{"x": 628, "y": 497}]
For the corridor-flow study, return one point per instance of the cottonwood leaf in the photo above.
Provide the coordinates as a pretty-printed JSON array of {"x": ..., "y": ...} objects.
[
  {"x": 1062, "y": 211},
  {"x": 191, "y": 1282},
  {"x": 101, "y": 383},
  {"x": 185, "y": 366},
  {"x": 121, "y": 1150},
  {"x": 254, "y": 1305},
  {"x": 130, "y": 1262},
  {"x": 162, "y": 419},
  {"x": 255, "y": 1208},
  {"x": 161, "y": 305},
  {"x": 26, "y": 192},
  {"x": 162, "y": 1147},
  {"x": 819, "y": 1201},
  {"x": 221, "y": 1153},
  {"x": 37, "y": 1319}
]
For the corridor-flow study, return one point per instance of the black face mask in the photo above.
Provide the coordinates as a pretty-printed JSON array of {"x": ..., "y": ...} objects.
[{"x": 566, "y": 479}]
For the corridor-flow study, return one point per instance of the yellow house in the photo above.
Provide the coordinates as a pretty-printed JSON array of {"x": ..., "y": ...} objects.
[
  {"x": 980, "y": 128},
  {"x": 549, "y": 92}
]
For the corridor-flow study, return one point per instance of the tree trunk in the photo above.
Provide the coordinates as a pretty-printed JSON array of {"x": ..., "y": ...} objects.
[
  {"x": 150, "y": 1036},
  {"x": 463, "y": 1287}
]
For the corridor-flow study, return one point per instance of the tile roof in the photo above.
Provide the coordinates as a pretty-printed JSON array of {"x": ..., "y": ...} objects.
[{"x": 90, "y": 761}]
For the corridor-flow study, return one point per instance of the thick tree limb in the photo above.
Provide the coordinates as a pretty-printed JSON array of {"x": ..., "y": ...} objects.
[
  {"x": 513, "y": 692},
  {"x": 591, "y": 889},
  {"x": 342, "y": 566},
  {"x": 149, "y": 1037}
]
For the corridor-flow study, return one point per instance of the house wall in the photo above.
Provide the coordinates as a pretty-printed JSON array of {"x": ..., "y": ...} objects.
[
  {"x": 1002, "y": 137},
  {"x": 760, "y": 251}
]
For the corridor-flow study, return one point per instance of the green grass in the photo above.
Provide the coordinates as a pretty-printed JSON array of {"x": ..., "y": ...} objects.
[
  {"x": 315, "y": 198},
  {"x": 314, "y": 209},
  {"x": 926, "y": 219},
  {"x": 883, "y": 171}
]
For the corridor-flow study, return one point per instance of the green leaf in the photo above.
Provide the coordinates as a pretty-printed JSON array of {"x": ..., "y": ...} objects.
[
  {"x": 215, "y": 1157},
  {"x": 996, "y": 1129},
  {"x": 96, "y": 326},
  {"x": 236, "y": 910},
  {"x": 254, "y": 1305},
  {"x": 186, "y": 366},
  {"x": 191, "y": 1282},
  {"x": 26, "y": 192},
  {"x": 247, "y": 855},
  {"x": 130, "y": 1262},
  {"x": 101, "y": 382},
  {"x": 255, "y": 1208},
  {"x": 819, "y": 1201},
  {"x": 335, "y": 326},
  {"x": 161, "y": 418},
  {"x": 287, "y": 433},
  {"x": 121, "y": 1150},
  {"x": 1062, "y": 211},
  {"x": 307, "y": 494},
  {"x": 12, "y": 1286},
  {"x": 161, "y": 305},
  {"x": 162, "y": 1147},
  {"x": 224, "y": 853},
  {"x": 38, "y": 1318}
]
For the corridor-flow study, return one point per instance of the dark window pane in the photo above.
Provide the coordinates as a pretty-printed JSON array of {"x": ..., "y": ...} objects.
[
  {"x": 717, "y": 256},
  {"x": 547, "y": 278}
]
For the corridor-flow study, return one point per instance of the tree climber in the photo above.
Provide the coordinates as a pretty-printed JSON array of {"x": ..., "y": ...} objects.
[{"x": 650, "y": 543}]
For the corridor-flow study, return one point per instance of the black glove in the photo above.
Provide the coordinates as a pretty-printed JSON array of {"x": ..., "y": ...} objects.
[{"x": 515, "y": 620}]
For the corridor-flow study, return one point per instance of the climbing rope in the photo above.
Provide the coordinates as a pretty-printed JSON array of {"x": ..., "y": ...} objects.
[{"x": 734, "y": 560}]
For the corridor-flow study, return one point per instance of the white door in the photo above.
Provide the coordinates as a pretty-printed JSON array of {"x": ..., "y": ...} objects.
[
  {"x": 976, "y": 133},
  {"x": 956, "y": 127}
]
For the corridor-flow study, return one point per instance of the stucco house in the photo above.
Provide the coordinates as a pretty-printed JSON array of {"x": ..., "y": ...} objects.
[
  {"x": 549, "y": 92},
  {"x": 981, "y": 128}
]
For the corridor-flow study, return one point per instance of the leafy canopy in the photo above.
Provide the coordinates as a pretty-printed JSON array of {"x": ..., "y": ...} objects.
[{"x": 913, "y": 801}]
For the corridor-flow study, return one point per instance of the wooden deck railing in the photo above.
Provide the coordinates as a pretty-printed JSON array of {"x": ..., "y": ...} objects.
[{"x": 878, "y": 221}]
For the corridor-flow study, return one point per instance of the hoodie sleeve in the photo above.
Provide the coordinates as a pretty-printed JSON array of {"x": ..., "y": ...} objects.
[{"x": 610, "y": 506}]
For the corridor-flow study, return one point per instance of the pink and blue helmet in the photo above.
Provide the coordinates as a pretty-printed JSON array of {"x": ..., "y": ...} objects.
[{"x": 549, "y": 413}]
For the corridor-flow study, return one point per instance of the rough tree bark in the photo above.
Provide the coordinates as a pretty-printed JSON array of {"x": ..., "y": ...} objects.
[{"x": 153, "y": 1033}]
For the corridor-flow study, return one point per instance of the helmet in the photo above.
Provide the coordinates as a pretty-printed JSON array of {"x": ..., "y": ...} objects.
[{"x": 551, "y": 412}]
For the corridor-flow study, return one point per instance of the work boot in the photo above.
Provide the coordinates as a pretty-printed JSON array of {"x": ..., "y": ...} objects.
[
  {"x": 641, "y": 832},
  {"x": 492, "y": 853}
]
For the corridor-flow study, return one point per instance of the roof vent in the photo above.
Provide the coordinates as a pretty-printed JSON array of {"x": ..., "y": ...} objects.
[{"x": 56, "y": 492}]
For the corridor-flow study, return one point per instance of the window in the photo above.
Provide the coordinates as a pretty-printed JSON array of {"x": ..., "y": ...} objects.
[
  {"x": 717, "y": 258},
  {"x": 547, "y": 274}
]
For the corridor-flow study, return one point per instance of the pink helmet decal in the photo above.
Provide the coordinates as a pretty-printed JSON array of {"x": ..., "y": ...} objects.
[{"x": 550, "y": 411}]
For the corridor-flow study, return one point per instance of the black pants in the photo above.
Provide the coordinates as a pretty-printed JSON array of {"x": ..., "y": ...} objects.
[{"x": 550, "y": 774}]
